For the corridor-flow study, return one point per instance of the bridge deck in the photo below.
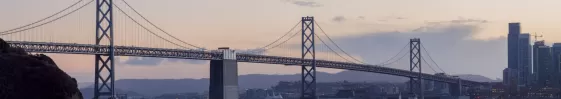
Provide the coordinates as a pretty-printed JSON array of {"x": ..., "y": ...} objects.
[{"x": 69, "y": 48}]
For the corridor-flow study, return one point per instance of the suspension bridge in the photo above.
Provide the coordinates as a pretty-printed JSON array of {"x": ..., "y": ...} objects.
[{"x": 118, "y": 32}]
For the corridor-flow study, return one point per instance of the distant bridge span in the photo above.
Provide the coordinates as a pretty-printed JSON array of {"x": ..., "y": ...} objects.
[{"x": 91, "y": 49}]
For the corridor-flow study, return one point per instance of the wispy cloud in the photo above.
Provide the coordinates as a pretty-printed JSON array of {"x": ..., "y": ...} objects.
[
  {"x": 361, "y": 17},
  {"x": 459, "y": 21},
  {"x": 449, "y": 42},
  {"x": 339, "y": 19},
  {"x": 304, "y": 3},
  {"x": 143, "y": 61},
  {"x": 391, "y": 18}
]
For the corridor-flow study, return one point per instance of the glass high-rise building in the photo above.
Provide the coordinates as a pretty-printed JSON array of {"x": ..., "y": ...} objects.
[
  {"x": 519, "y": 56},
  {"x": 556, "y": 61},
  {"x": 513, "y": 35},
  {"x": 509, "y": 76},
  {"x": 545, "y": 71},
  {"x": 535, "y": 57},
  {"x": 510, "y": 80},
  {"x": 556, "y": 53},
  {"x": 524, "y": 59}
]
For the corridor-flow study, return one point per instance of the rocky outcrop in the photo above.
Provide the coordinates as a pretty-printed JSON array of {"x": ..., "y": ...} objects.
[{"x": 33, "y": 76}]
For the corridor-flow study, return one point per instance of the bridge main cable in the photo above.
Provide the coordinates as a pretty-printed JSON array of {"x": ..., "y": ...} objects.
[
  {"x": 150, "y": 31},
  {"x": 43, "y": 19},
  {"x": 12, "y": 31},
  {"x": 331, "y": 49},
  {"x": 428, "y": 54},
  {"x": 285, "y": 34},
  {"x": 389, "y": 61},
  {"x": 336, "y": 45},
  {"x": 151, "y": 23}
]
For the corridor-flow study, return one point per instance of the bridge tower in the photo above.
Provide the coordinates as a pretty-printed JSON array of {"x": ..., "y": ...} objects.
[
  {"x": 308, "y": 89},
  {"x": 104, "y": 62},
  {"x": 415, "y": 65}
]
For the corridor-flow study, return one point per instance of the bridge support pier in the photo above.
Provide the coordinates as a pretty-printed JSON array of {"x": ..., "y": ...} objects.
[
  {"x": 224, "y": 76},
  {"x": 456, "y": 88}
]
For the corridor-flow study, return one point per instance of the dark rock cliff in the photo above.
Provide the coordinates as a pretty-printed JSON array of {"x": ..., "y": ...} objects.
[{"x": 33, "y": 76}]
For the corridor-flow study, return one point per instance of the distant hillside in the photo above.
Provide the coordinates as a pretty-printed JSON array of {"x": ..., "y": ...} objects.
[
  {"x": 154, "y": 87},
  {"x": 88, "y": 93},
  {"x": 84, "y": 84},
  {"x": 478, "y": 78}
]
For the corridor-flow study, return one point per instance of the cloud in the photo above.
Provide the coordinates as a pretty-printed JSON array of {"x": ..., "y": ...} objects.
[
  {"x": 450, "y": 43},
  {"x": 339, "y": 19},
  {"x": 305, "y": 3},
  {"x": 391, "y": 18},
  {"x": 144, "y": 61},
  {"x": 150, "y": 61},
  {"x": 361, "y": 17},
  {"x": 452, "y": 23},
  {"x": 258, "y": 51},
  {"x": 460, "y": 21}
]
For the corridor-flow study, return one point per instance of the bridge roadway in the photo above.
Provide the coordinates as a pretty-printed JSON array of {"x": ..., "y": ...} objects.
[{"x": 70, "y": 48}]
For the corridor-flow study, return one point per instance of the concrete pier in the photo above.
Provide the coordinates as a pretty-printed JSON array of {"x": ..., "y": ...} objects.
[{"x": 224, "y": 76}]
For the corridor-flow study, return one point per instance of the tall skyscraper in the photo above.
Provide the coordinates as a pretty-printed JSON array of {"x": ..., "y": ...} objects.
[
  {"x": 524, "y": 59},
  {"x": 513, "y": 35},
  {"x": 556, "y": 53},
  {"x": 429, "y": 85},
  {"x": 511, "y": 73},
  {"x": 535, "y": 56},
  {"x": 556, "y": 61},
  {"x": 546, "y": 72},
  {"x": 509, "y": 76},
  {"x": 441, "y": 87},
  {"x": 510, "y": 80}
]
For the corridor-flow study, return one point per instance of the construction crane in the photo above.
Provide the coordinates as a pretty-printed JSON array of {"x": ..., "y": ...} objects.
[{"x": 536, "y": 36}]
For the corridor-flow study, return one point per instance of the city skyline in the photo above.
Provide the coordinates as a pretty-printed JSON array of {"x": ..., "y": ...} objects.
[{"x": 354, "y": 25}]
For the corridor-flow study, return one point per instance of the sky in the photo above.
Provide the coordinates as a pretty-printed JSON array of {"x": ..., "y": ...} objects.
[{"x": 462, "y": 36}]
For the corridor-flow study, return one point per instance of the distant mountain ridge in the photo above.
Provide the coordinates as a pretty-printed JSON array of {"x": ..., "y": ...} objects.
[
  {"x": 88, "y": 93},
  {"x": 84, "y": 84},
  {"x": 477, "y": 78},
  {"x": 154, "y": 87}
]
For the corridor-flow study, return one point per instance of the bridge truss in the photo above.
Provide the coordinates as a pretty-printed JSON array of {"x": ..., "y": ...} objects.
[{"x": 70, "y": 48}]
